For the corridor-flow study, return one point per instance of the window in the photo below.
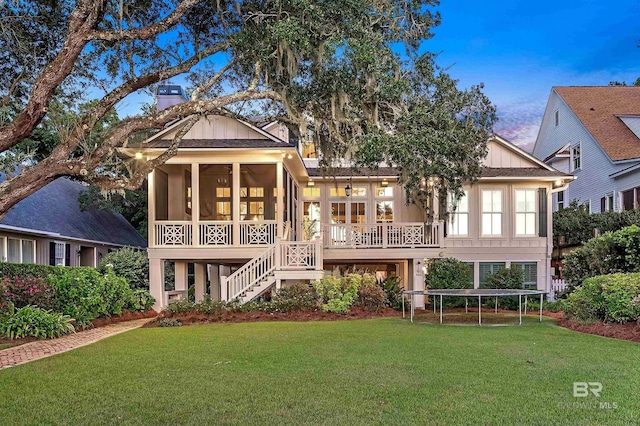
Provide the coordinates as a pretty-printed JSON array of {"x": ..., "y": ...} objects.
[
  {"x": 487, "y": 268},
  {"x": 3, "y": 251},
  {"x": 384, "y": 191},
  {"x": 525, "y": 212},
  {"x": 20, "y": 251},
  {"x": 606, "y": 203},
  {"x": 358, "y": 213},
  {"x": 556, "y": 118},
  {"x": 311, "y": 192},
  {"x": 223, "y": 192},
  {"x": 356, "y": 191},
  {"x": 223, "y": 210},
  {"x": 459, "y": 217},
  {"x": 59, "y": 256},
  {"x": 576, "y": 159},
  {"x": 470, "y": 265},
  {"x": 530, "y": 270},
  {"x": 560, "y": 200},
  {"x": 492, "y": 212},
  {"x": 384, "y": 211}
]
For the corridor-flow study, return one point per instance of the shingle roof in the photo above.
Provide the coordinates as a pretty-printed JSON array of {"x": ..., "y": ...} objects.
[
  {"x": 524, "y": 172},
  {"x": 55, "y": 209},
  {"x": 220, "y": 143},
  {"x": 597, "y": 107},
  {"x": 349, "y": 172}
]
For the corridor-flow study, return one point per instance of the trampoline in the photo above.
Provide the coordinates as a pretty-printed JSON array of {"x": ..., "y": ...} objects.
[{"x": 473, "y": 292}]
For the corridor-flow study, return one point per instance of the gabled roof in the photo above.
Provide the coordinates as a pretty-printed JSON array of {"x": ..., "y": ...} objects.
[
  {"x": 54, "y": 209},
  {"x": 221, "y": 143},
  {"x": 599, "y": 109}
]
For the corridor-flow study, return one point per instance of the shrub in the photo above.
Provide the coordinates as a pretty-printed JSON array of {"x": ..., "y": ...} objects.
[
  {"x": 371, "y": 297},
  {"x": 79, "y": 294},
  {"x": 24, "y": 270},
  {"x": 29, "y": 291},
  {"x": 610, "y": 253},
  {"x": 506, "y": 278},
  {"x": 296, "y": 297},
  {"x": 555, "y": 306},
  {"x": 31, "y": 321},
  {"x": 179, "y": 307},
  {"x": 392, "y": 292},
  {"x": 141, "y": 300},
  {"x": 168, "y": 322},
  {"x": 129, "y": 263},
  {"x": 116, "y": 293},
  {"x": 449, "y": 273},
  {"x": 610, "y": 298},
  {"x": 339, "y": 294},
  {"x": 209, "y": 307}
]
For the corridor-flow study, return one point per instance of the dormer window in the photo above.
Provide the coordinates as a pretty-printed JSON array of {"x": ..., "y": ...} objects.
[{"x": 576, "y": 158}]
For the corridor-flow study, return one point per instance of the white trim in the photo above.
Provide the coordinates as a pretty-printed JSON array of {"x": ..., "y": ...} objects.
[
  {"x": 505, "y": 143},
  {"x": 54, "y": 235}
]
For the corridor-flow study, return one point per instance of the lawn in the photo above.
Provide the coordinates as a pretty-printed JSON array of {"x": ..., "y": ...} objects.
[{"x": 381, "y": 371}]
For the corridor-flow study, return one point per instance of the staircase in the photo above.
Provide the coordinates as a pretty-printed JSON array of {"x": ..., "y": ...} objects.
[{"x": 283, "y": 260}]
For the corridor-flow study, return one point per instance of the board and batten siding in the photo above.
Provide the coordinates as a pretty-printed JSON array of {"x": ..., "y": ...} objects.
[{"x": 593, "y": 179}]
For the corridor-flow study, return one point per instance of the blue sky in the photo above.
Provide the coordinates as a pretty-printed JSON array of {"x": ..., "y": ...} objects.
[{"x": 520, "y": 49}]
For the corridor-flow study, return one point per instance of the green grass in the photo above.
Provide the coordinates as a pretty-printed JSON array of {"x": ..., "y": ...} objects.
[{"x": 383, "y": 371}]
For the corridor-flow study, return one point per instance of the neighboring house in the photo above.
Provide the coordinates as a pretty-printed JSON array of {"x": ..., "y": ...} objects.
[
  {"x": 242, "y": 204},
  {"x": 594, "y": 134},
  {"x": 48, "y": 228}
]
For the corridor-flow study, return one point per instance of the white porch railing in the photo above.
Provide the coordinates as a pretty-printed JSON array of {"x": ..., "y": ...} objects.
[
  {"x": 173, "y": 233},
  {"x": 383, "y": 235},
  {"x": 216, "y": 233},
  {"x": 281, "y": 256},
  {"x": 258, "y": 232}
]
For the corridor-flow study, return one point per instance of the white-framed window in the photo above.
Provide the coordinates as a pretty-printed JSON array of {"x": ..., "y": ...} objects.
[
  {"x": 560, "y": 200},
  {"x": 492, "y": 212},
  {"x": 576, "y": 157},
  {"x": 606, "y": 203},
  {"x": 525, "y": 212},
  {"x": 459, "y": 216},
  {"x": 487, "y": 268},
  {"x": 59, "y": 249},
  {"x": 21, "y": 250},
  {"x": 384, "y": 211},
  {"x": 530, "y": 270}
]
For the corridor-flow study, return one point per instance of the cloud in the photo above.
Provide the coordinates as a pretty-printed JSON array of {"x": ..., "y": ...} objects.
[{"x": 519, "y": 121}]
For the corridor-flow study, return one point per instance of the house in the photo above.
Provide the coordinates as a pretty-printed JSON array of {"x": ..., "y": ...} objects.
[
  {"x": 594, "y": 134},
  {"x": 242, "y": 204},
  {"x": 49, "y": 228}
]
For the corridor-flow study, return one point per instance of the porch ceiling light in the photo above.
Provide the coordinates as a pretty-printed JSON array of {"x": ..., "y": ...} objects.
[
  {"x": 138, "y": 156},
  {"x": 289, "y": 156},
  {"x": 311, "y": 183},
  {"x": 384, "y": 183},
  {"x": 558, "y": 182}
]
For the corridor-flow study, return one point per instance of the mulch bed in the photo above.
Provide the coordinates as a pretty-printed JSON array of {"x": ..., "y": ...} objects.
[
  {"x": 126, "y": 316},
  {"x": 237, "y": 317},
  {"x": 628, "y": 331}
]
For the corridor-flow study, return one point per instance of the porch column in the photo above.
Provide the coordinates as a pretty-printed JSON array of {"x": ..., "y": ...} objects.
[
  {"x": 280, "y": 200},
  {"x": 418, "y": 281},
  {"x": 200, "y": 280},
  {"x": 214, "y": 287},
  {"x": 156, "y": 283},
  {"x": 476, "y": 274},
  {"x": 181, "y": 276},
  {"x": 151, "y": 209},
  {"x": 235, "y": 210},
  {"x": 195, "y": 203}
]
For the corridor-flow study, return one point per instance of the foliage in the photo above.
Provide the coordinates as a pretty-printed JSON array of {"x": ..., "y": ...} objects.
[
  {"x": 31, "y": 321},
  {"x": 506, "y": 278},
  {"x": 573, "y": 225},
  {"x": 371, "y": 296},
  {"x": 555, "y": 306},
  {"x": 296, "y": 297},
  {"x": 140, "y": 301},
  {"x": 28, "y": 291},
  {"x": 24, "y": 270},
  {"x": 449, "y": 273},
  {"x": 339, "y": 294},
  {"x": 610, "y": 253},
  {"x": 392, "y": 292},
  {"x": 610, "y": 298},
  {"x": 85, "y": 295},
  {"x": 129, "y": 263},
  {"x": 168, "y": 322}
]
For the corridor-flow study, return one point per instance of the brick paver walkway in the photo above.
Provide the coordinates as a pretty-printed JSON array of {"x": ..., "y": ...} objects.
[{"x": 43, "y": 348}]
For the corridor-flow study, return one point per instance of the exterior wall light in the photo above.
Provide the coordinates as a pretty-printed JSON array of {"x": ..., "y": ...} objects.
[{"x": 347, "y": 190}]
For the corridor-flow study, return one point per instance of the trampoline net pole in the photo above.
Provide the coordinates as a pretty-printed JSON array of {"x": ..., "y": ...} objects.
[{"x": 479, "y": 310}]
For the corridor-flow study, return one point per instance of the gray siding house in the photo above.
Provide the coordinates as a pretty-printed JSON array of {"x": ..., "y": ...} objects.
[
  {"x": 49, "y": 228},
  {"x": 594, "y": 134}
]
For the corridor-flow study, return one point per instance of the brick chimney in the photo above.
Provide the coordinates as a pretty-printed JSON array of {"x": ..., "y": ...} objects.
[{"x": 169, "y": 95}]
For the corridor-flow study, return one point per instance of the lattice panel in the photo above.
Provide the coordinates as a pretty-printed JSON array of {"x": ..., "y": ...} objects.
[
  {"x": 173, "y": 234},
  {"x": 299, "y": 255},
  {"x": 413, "y": 235},
  {"x": 215, "y": 234}
]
